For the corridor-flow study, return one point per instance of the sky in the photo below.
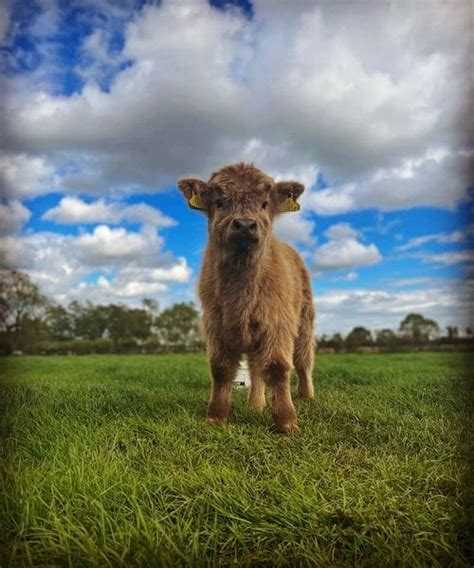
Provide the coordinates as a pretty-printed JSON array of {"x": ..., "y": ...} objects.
[{"x": 105, "y": 104}]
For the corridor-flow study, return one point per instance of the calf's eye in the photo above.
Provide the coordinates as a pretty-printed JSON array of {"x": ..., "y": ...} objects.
[
  {"x": 264, "y": 204},
  {"x": 219, "y": 204}
]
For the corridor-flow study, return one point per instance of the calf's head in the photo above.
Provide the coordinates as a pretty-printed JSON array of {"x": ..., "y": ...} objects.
[{"x": 241, "y": 203}]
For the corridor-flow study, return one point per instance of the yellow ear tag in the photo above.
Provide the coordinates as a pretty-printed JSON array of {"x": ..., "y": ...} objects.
[
  {"x": 290, "y": 204},
  {"x": 196, "y": 203}
]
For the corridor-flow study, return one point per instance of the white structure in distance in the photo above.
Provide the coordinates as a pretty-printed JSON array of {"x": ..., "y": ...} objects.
[{"x": 242, "y": 378}]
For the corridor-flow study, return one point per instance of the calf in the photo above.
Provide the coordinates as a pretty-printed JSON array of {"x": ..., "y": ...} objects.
[{"x": 255, "y": 291}]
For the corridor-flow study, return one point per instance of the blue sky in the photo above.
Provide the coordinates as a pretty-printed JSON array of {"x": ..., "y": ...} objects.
[{"x": 108, "y": 103}]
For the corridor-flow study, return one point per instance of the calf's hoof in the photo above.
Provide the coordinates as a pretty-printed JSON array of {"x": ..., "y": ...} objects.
[
  {"x": 287, "y": 428},
  {"x": 305, "y": 391},
  {"x": 257, "y": 407},
  {"x": 216, "y": 421},
  {"x": 304, "y": 395}
]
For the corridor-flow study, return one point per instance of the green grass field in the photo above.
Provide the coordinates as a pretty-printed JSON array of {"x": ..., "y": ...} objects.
[{"x": 107, "y": 461}]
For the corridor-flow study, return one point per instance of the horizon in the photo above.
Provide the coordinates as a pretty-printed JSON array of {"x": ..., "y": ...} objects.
[{"x": 108, "y": 105}]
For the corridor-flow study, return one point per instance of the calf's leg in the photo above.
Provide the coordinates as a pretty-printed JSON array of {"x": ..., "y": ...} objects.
[
  {"x": 223, "y": 373},
  {"x": 303, "y": 355},
  {"x": 277, "y": 376},
  {"x": 256, "y": 398},
  {"x": 303, "y": 360}
]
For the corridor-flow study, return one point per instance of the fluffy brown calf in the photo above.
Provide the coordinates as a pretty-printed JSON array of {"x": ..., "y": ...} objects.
[{"x": 255, "y": 291}]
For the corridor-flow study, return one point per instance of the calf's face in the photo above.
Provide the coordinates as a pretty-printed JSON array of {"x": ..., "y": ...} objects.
[{"x": 241, "y": 203}]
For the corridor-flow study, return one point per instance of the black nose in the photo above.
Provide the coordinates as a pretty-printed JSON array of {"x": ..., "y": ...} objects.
[{"x": 243, "y": 224}]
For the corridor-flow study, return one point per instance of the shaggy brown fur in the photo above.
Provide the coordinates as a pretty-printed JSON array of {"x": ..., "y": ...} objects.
[{"x": 255, "y": 292}]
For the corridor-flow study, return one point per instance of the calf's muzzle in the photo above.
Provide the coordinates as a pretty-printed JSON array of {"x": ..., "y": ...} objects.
[{"x": 244, "y": 225}]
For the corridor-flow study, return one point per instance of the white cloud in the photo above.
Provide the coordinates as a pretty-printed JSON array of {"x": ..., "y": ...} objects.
[
  {"x": 168, "y": 128},
  {"x": 13, "y": 253},
  {"x": 349, "y": 277},
  {"x": 295, "y": 228},
  {"x": 337, "y": 255},
  {"x": 343, "y": 250},
  {"x": 330, "y": 201},
  {"x": 435, "y": 179},
  {"x": 13, "y": 216},
  {"x": 133, "y": 283},
  {"x": 132, "y": 264},
  {"x": 376, "y": 309},
  {"x": 23, "y": 176},
  {"x": 440, "y": 238},
  {"x": 402, "y": 282},
  {"x": 132, "y": 289},
  {"x": 341, "y": 232},
  {"x": 105, "y": 246},
  {"x": 179, "y": 272},
  {"x": 48, "y": 20},
  {"x": 98, "y": 61},
  {"x": 49, "y": 258},
  {"x": 382, "y": 226},
  {"x": 143, "y": 213},
  {"x": 72, "y": 210},
  {"x": 206, "y": 87},
  {"x": 448, "y": 258},
  {"x": 104, "y": 291}
]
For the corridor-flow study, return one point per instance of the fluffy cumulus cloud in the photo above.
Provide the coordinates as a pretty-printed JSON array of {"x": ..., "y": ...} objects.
[
  {"x": 71, "y": 210},
  {"x": 179, "y": 97},
  {"x": 387, "y": 113},
  {"x": 131, "y": 283},
  {"x": 343, "y": 250},
  {"x": 130, "y": 264},
  {"x": 13, "y": 215},
  {"x": 105, "y": 245},
  {"x": 437, "y": 179},
  {"x": 296, "y": 228},
  {"x": 23, "y": 176}
]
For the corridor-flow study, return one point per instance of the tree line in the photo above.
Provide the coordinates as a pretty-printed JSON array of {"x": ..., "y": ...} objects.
[
  {"x": 32, "y": 323},
  {"x": 414, "y": 330}
]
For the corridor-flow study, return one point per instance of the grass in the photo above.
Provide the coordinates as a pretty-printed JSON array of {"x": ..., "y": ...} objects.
[{"x": 107, "y": 461}]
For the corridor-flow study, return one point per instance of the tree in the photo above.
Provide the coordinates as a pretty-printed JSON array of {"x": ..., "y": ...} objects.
[
  {"x": 21, "y": 302},
  {"x": 60, "y": 322},
  {"x": 323, "y": 339},
  {"x": 116, "y": 321},
  {"x": 89, "y": 320},
  {"x": 417, "y": 328},
  {"x": 337, "y": 340},
  {"x": 33, "y": 330},
  {"x": 385, "y": 337},
  {"x": 453, "y": 332},
  {"x": 178, "y": 327},
  {"x": 359, "y": 336},
  {"x": 123, "y": 322},
  {"x": 150, "y": 305}
]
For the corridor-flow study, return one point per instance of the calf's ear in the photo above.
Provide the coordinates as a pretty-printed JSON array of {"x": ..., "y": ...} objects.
[
  {"x": 193, "y": 190},
  {"x": 287, "y": 193}
]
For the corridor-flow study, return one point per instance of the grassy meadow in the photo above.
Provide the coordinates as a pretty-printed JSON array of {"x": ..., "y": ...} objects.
[{"x": 107, "y": 461}]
